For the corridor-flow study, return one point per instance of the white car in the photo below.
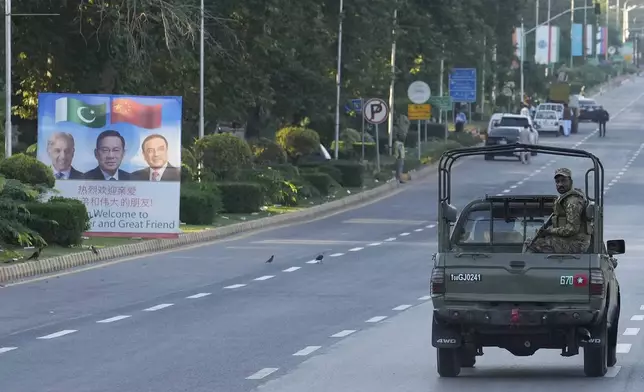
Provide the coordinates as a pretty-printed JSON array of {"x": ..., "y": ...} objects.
[
  {"x": 548, "y": 121},
  {"x": 517, "y": 120}
]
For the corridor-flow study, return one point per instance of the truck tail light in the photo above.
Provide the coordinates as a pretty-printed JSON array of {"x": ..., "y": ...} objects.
[
  {"x": 437, "y": 282},
  {"x": 597, "y": 282}
]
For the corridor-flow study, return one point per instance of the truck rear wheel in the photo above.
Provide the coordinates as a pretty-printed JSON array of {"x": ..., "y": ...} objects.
[
  {"x": 448, "y": 363},
  {"x": 612, "y": 343},
  {"x": 596, "y": 355}
]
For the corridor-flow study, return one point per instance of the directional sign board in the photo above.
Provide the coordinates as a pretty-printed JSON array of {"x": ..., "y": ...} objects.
[
  {"x": 376, "y": 111},
  {"x": 419, "y": 92},
  {"x": 443, "y": 103},
  {"x": 462, "y": 84},
  {"x": 355, "y": 105},
  {"x": 419, "y": 111}
]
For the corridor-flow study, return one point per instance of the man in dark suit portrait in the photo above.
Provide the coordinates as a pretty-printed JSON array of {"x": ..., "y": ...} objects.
[
  {"x": 109, "y": 152},
  {"x": 155, "y": 152},
  {"x": 60, "y": 148}
]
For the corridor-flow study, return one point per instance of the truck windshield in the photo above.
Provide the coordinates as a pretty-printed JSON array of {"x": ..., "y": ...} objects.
[{"x": 491, "y": 224}]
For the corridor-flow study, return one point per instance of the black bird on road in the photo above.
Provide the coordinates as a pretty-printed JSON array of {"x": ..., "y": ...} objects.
[
  {"x": 271, "y": 259},
  {"x": 35, "y": 255},
  {"x": 319, "y": 258},
  {"x": 94, "y": 250}
]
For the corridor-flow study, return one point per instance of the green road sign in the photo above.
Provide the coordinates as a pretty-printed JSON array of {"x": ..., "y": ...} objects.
[{"x": 443, "y": 103}]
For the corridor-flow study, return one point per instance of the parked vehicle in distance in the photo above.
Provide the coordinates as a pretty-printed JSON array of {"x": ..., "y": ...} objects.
[
  {"x": 587, "y": 109},
  {"x": 517, "y": 120},
  {"x": 501, "y": 136},
  {"x": 548, "y": 121}
]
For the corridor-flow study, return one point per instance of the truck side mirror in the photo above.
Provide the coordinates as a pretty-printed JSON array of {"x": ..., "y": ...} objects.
[
  {"x": 450, "y": 213},
  {"x": 615, "y": 247}
]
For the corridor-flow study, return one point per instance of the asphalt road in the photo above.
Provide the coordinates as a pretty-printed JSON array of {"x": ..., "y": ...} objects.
[{"x": 217, "y": 318}]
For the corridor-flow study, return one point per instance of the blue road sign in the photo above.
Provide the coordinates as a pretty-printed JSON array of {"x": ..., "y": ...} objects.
[
  {"x": 355, "y": 105},
  {"x": 462, "y": 84}
]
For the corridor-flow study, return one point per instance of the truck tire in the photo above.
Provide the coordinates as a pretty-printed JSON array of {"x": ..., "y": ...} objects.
[
  {"x": 467, "y": 357},
  {"x": 596, "y": 356},
  {"x": 448, "y": 363},
  {"x": 612, "y": 342},
  {"x": 489, "y": 157}
]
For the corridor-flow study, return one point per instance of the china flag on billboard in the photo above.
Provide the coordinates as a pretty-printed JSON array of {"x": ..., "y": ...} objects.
[{"x": 125, "y": 110}]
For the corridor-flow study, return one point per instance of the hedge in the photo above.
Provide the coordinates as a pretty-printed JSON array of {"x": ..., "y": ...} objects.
[
  {"x": 266, "y": 151},
  {"x": 321, "y": 181},
  {"x": 241, "y": 197},
  {"x": 224, "y": 154},
  {"x": 275, "y": 187},
  {"x": 60, "y": 220},
  {"x": 199, "y": 203},
  {"x": 27, "y": 170},
  {"x": 298, "y": 141}
]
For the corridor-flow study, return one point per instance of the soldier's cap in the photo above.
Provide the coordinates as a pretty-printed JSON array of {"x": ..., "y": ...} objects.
[{"x": 563, "y": 172}]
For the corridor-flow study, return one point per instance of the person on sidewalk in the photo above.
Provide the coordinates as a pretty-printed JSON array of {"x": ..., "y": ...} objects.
[{"x": 399, "y": 154}]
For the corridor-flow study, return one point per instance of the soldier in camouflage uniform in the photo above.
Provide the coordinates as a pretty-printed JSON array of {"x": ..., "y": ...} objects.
[{"x": 569, "y": 231}]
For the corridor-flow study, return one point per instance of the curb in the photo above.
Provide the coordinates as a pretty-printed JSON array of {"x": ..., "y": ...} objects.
[{"x": 55, "y": 264}]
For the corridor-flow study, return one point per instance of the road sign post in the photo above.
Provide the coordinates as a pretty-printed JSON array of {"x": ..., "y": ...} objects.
[
  {"x": 376, "y": 112},
  {"x": 419, "y": 93}
]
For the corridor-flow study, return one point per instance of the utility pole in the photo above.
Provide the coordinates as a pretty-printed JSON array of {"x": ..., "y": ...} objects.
[
  {"x": 202, "y": 71},
  {"x": 338, "y": 83},
  {"x": 606, "y": 36},
  {"x": 392, "y": 84},
  {"x": 585, "y": 29},
  {"x": 572, "y": 25},
  {"x": 483, "y": 75}
]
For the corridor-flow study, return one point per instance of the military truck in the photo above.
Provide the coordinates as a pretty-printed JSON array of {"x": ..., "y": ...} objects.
[
  {"x": 487, "y": 292},
  {"x": 560, "y": 92}
]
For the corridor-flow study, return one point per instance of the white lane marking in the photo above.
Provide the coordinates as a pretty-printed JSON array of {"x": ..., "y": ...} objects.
[
  {"x": 375, "y": 244},
  {"x": 499, "y": 194},
  {"x": 506, "y": 191},
  {"x": 537, "y": 171},
  {"x": 157, "y": 307},
  {"x": 7, "y": 349},
  {"x": 58, "y": 334},
  {"x": 418, "y": 230},
  {"x": 612, "y": 372},
  {"x": 336, "y": 255},
  {"x": 402, "y": 307},
  {"x": 265, "y": 277},
  {"x": 291, "y": 269},
  {"x": 520, "y": 183},
  {"x": 430, "y": 226},
  {"x": 235, "y": 286},
  {"x": 637, "y": 317},
  {"x": 307, "y": 351},
  {"x": 113, "y": 319},
  {"x": 312, "y": 262},
  {"x": 620, "y": 173},
  {"x": 641, "y": 307},
  {"x": 376, "y": 319},
  {"x": 390, "y": 239},
  {"x": 425, "y": 298},
  {"x": 344, "y": 333},
  {"x": 513, "y": 186},
  {"x": 623, "y": 348},
  {"x": 200, "y": 295},
  {"x": 631, "y": 331},
  {"x": 262, "y": 373},
  {"x": 404, "y": 234},
  {"x": 355, "y": 249}
]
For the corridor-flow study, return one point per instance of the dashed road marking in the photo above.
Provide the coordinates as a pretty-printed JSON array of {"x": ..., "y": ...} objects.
[
  {"x": 390, "y": 239},
  {"x": 430, "y": 226},
  {"x": 308, "y": 350},
  {"x": 200, "y": 295},
  {"x": 402, "y": 307},
  {"x": 637, "y": 317},
  {"x": 313, "y": 262},
  {"x": 235, "y": 286},
  {"x": 631, "y": 331},
  {"x": 7, "y": 349},
  {"x": 375, "y": 244},
  {"x": 344, "y": 333},
  {"x": 291, "y": 269},
  {"x": 404, "y": 234},
  {"x": 157, "y": 307},
  {"x": 613, "y": 371},
  {"x": 58, "y": 334},
  {"x": 418, "y": 230},
  {"x": 336, "y": 255},
  {"x": 113, "y": 319},
  {"x": 262, "y": 374},
  {"x": 265, "y": 277},
  {"x": 623, "y": 348},
  {"x": 376, "y": 319},
  {"x": 425, "y": 298},
  {"x": 506, "y": 191},
  {"x": 355, "y": 249}
]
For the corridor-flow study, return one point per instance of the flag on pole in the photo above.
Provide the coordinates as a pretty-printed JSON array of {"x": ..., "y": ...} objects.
[{"x": 79, "y": 112}]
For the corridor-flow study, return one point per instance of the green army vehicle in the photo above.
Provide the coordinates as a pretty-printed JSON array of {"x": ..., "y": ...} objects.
[{"x": 487, "y": 292}]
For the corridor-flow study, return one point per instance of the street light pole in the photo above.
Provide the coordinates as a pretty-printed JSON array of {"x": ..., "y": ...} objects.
[
  {"x": 201, "y": 73},
  {"x": 392, "y": 84},
  {"x": 572, "y": 25},
  {"x": 338, "y": 83},
  {"x": 8, "y": 138}
]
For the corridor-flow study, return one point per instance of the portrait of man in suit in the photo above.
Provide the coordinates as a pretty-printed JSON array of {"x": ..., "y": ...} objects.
[
  {"x": 109, "y": 153},
  {"x": 155, "y": 152},
  {"x": 60, "y": 148}
]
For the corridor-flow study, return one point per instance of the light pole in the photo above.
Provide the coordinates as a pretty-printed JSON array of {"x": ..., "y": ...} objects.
[
  {"x": 201, "y": 73},
  {"x": 524, "y": 33},
  {"x": 338, "y": 81}
]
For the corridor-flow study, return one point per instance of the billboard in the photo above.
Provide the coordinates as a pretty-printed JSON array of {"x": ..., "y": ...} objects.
[{"x": 119, "y": 155}]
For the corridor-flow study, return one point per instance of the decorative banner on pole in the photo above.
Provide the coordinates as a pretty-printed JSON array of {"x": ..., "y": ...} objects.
[
  {"x": 555, "y": 35},
  {"x": 589, "y": 40},
  {"x": 577, "y": 39},
  {"x": 602, "y": 40},
  {"x": 119, "y": 155},
  {"x": 542, "y": 39}
]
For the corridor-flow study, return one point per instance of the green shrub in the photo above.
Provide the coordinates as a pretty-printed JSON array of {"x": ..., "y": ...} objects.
[
  {"x": 411, "y": 141},
  {"x": 276, "y": 189},
  {"x": 199, "y": 203},
  {"x": 241, "y": 197},
  {"x": 60, "y": 220},
  {"x": 224, "y": 155},
  {"x": 334, "y": 172},
  {"x": 321, "y": 181},
  {"x": 352, "y": 173},
  {"x": 465, "y": 139},
  {"x": 288, "y": 171},
  {"x": 187, "y": 174},
  {"x": 27, "y": 170},
  {"x": 266, "y": 151},
  {"x": 369, "y": 150},
  {"x": 298, "y": 141}
]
